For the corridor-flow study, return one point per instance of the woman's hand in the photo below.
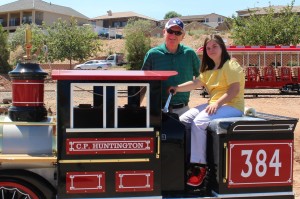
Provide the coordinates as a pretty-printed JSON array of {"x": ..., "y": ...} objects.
[
  {"x": 233, "y": 90},
  {"x": 212, "y": 108}
]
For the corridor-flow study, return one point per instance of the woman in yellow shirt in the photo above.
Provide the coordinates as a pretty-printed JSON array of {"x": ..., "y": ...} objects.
[{"x": 224, "y": 81}]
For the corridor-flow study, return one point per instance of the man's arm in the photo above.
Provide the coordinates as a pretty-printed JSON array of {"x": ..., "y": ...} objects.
[{"x": 147, "y": 65}]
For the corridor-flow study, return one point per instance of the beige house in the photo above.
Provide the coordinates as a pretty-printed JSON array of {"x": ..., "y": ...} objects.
[
  {"x": 20, "y": 12},
  {"x": 118, "y": 19}
]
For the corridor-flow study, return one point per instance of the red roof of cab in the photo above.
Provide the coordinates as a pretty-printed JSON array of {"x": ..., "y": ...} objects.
[{"x": 111, "y": 75}]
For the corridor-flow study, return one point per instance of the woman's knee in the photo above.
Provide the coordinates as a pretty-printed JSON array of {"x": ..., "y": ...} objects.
[{"x": 199, "y": 125}]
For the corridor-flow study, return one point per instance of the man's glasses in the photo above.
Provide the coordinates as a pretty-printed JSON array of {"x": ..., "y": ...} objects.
[{"x": 177, "y": 33}]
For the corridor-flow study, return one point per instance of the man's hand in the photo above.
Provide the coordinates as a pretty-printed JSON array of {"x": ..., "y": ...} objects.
[{"x": 172, "y": 89}]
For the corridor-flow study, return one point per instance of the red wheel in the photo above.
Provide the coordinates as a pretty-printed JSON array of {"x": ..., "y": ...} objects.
[
  {"x": 18, "y": 189},
  {"x": 25, "y": 182}
]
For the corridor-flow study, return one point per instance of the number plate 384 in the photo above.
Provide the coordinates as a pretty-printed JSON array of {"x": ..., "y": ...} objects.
[{"x": 260, "y": 163}]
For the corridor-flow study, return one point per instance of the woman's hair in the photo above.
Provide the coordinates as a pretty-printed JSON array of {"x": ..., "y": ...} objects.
[{"x": 207, "y": 62}]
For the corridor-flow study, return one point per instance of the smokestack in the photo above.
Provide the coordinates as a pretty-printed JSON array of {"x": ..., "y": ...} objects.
[{"x": 27, "y": 88}]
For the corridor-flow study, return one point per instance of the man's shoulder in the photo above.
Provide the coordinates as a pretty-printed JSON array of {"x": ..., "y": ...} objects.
[
  {"x": 159, "y": 48},
  {"x": 156, "y": 51},
  {"x": 187, "y": 49}
]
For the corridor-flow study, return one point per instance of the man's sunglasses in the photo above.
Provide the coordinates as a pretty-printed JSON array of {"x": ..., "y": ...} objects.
[{"x": 177, "y": 33}]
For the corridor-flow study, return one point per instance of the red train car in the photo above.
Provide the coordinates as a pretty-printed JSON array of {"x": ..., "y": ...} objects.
[{"x": 269, "y": 67}]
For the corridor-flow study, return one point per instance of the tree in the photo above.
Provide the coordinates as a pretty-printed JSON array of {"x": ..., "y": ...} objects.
[
  {"x": 290, "y": 22},
  {"x": 137, "y": 36},
  {"x": 271, "y": 29},
  {"x": 67, "y": 40},
  {"x": 4, "y": 53},
  {"x": 171, "y": 14}
]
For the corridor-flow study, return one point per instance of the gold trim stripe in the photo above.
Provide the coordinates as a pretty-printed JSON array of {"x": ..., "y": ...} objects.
[
  {"x": 103, "y": 161},
  {"x": 226, "y": 163},
  {"x": 25, "y": 158},
  {"x": 158, "y": 144},
  {"x": 29, "y": 123}
]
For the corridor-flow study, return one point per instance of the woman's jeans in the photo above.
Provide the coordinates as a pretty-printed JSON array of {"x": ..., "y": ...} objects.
[{"x": 197, "y": 120}]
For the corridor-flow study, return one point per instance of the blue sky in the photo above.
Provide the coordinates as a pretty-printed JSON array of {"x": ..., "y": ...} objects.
[{"x": 158, "y": 8}]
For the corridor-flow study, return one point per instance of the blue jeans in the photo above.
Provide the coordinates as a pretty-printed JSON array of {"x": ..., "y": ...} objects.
[{"x": 197, "y": 120}]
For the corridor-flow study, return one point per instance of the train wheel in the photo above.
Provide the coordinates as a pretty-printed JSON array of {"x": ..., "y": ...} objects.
[
  {"x": 27, "y": 180},
  {"x": 18, "y": 189}
]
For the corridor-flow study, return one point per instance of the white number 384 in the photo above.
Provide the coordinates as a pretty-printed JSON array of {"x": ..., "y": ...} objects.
[{"x": 261, "y": 166}]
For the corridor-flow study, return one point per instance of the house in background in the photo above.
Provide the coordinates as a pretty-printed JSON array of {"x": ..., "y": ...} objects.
[
  {"x": 118, "y": 19},
  {"x": 208, "y": 20},
  {"x": 12, "y": 15},
  {"x": 112, "y": 24},
  {"x": 262, "y": 10}
]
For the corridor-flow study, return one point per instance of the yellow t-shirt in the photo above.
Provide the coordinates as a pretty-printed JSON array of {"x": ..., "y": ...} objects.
[{"x": 217, "y": 83}]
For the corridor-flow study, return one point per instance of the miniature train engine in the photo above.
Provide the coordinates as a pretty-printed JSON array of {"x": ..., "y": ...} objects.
[{"x": 111, "y": 139}]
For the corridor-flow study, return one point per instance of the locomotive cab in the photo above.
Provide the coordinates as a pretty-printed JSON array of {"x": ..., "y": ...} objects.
[{"x": 110, "y": 140}]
